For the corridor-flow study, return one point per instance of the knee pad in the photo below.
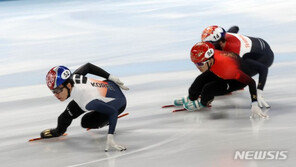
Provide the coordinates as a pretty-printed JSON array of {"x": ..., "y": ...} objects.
[
  {"x": 93, "y": 120},
  {"x": 84, "y": 122}
]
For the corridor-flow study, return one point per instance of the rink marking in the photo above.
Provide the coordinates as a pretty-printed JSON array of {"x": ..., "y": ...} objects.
[{"x": 135, "y": 151}]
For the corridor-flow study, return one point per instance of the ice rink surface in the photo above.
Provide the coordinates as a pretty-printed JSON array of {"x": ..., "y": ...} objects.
[{"x": 146, "y": 43}]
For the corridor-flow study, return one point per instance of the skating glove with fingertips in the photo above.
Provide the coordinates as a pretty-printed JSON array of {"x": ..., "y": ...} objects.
[{"x": 49, "y": 133}]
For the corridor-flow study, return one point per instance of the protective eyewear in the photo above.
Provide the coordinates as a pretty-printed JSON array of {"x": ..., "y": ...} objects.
[
  {"x": 201, "y": 63},
  {"x": 57, "y": 90}
]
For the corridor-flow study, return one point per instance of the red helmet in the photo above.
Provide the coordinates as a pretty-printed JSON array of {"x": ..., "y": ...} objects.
[
  {"x": 202, "y": 51},
  {"x": 213, "y": 34}
]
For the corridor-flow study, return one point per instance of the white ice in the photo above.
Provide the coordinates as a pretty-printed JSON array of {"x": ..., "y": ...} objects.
[{"x": 146, "y": 43}]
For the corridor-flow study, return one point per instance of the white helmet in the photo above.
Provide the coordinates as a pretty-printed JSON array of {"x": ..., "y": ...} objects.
[{"x": 212, "y": 34}]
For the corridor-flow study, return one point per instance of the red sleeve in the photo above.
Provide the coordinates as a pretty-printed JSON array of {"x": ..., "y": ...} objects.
[
  {"x": 232, "y": 44},
  {"x": 244, "y": 78},
  {"x": 226, "y": 66}
]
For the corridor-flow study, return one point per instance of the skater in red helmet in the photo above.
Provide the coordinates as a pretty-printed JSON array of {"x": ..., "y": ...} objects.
[
  {"x": 256, "y": 53},
  {"x": 221, "y": 75}
]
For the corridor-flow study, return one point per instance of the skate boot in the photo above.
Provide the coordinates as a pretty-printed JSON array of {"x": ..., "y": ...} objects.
[
  {"x": 193, "y": 105},
  {"x": 181, "y": 101}
]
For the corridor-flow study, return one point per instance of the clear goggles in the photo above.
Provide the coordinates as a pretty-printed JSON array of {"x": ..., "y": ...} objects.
[
  {"x": 57, "y": 90},
  {"x": 201, "y": 63}
]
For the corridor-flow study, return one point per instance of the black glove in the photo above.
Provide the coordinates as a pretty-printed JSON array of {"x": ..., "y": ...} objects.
[
  {"x": 233, "y": 29},
  {"x": 49, "y": 133}
]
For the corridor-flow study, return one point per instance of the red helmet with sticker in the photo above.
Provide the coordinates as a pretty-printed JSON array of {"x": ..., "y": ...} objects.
[
  {"x": 201, "y": 52},
  {"x": 213, "y": 34}
]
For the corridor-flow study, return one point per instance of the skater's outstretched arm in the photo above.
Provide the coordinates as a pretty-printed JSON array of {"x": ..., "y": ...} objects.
[
  {"x": 89, "y": 68},
  {"x": 244, "y": 78},
  {"x": 64, "y": 120},
  {"x": 259, "y": 68}
]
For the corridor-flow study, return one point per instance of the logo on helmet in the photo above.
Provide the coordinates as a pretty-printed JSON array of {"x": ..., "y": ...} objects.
[
  {"x": 195, "y": 55},
  {"x": 209, "y": 53},
  {"x": 212, "y": 34},
  {"x": 207, "y": 32},
  {"x": 50, "y": 79},
  {"x": 66, "y": 74}
]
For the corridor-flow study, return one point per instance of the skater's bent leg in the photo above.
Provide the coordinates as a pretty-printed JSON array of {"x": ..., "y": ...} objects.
[
  {"x": 104, "y": 108},
  {"x": 213, "y": 89},
  {"x": 198, "y": 84},
  {"x": 94, "y": 120}
]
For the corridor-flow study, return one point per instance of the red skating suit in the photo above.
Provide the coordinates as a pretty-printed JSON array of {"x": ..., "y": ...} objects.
[
  {"x": 238, "y": 44},
  {"x": 227, "y": 66}
]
